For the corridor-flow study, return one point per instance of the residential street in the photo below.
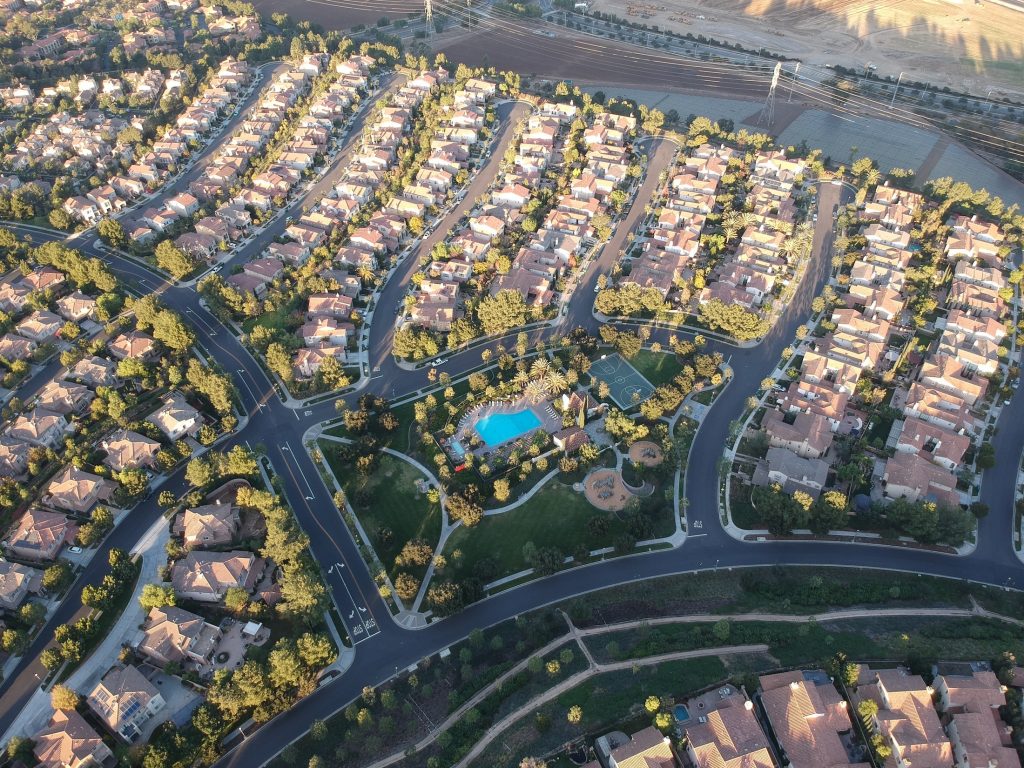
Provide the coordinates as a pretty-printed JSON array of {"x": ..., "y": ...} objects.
[{"x": 382, "y": 647}]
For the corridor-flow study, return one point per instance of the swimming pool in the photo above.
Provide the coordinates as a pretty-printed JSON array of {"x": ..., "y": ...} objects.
[
  {"x": 681, "y": 713},
  {"x": 499, "y": 428}
]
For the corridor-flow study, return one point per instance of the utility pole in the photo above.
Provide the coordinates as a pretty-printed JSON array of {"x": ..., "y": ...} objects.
[
  {"x": 768, "y": 110},
  {"x": 895, "y": 91},
  {"x": 428, "y": 11},
  {"x": 796, "y": 76}
]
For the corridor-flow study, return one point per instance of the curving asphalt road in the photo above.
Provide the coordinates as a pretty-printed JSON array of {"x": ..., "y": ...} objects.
[{"x": 382, "y": 647}]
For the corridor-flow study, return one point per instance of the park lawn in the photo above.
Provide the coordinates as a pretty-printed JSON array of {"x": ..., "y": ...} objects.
[
  {"x": 555, "y": 516},
  {"x": 657, "y": 367},
  {"x": 274, "y": 319},
  {"x": 388, "y": 500}
]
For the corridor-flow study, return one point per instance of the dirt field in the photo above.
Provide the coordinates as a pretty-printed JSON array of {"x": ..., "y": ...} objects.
[
  {"x": 341, "y": 14},
  {"x": 973, "y": 45}
]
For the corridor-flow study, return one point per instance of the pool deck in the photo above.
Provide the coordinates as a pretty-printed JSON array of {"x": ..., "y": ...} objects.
[{"x": 550, "y": 422}]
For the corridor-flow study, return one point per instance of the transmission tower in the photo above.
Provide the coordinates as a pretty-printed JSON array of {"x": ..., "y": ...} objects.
[
  {"x": 428, "y": 10},
  {"x": 768, "y": 110}
]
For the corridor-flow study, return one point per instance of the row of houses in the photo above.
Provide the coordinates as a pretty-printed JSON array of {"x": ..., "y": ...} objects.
[
  {"x": 144, "y": 87},
  {"x": 75, "y": 144},
  {"x": 942, "y": 400},
  {"x": 670, "y": 252},
  {"x": 567, "y": 228},
  {"x": 559, "y": 239},
  {"x": 327, "y": 332},
  {"x": 191, "y": 130},
  {"x": 799, "y": 719},
  {"x": 761, "y": 266}
]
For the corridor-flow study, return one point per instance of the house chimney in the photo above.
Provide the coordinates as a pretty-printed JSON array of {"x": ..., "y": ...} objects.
[
  {"x": 794, "y": 685},
  {"x": 748, "y": 705}
]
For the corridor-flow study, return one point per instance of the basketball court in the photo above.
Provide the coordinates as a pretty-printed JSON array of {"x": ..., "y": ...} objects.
[{"x": 628, "y": 386}]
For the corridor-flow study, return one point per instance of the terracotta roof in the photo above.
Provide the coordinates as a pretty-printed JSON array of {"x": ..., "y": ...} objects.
[
  {"x": 647, "y": 749},
  {"x": 68, "y": 741},
  {"x": 731, "y": 738},
  {"x": 807, "y": 720}
]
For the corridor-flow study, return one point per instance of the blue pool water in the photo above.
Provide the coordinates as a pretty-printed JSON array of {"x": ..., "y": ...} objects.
[
  {"x": 681, "y": 713},
  {"x": 499, "y": 428}
]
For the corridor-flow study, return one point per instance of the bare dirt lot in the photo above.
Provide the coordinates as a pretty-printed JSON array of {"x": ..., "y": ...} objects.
[
  {"x": 972, "y": 45},
  {"x": 342, "y": 14}
]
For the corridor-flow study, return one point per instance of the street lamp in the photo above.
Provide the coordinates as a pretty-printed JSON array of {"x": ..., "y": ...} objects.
[{"x": 895, "y": 91}]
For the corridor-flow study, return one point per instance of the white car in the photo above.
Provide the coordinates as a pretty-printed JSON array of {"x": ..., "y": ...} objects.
[
  {"x": 75, "y": 550},
  {"x": 438, "y": 363}
]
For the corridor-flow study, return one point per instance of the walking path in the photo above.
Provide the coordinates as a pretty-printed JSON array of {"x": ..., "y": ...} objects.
[
  {"x": 571, "y": 682},
  {"x": 594, "y": 667}
]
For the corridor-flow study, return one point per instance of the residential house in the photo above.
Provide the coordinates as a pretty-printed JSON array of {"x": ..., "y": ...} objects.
[
  {"x": 210, "y": 525},
  {"x": 795, "y": 473},
  {"x": 971, "y": 703},
  {"x": 176, "y": 418},
  {"x": 40, "y": 427},
  {"x": 39, "y": 535},
  {"x": 64, "y": 397},
  {"x": 174, "y": 635},
  {"x": 77, "y": 491},
  {"x": 930, "y": 441},
  {"x": 17, "y": 582},
  {"x": 133, "y": 344},
  {"x": 16, "y": 347},
  {"x": 265, "y": 269},
  {"x": 13, "y": 456},
  {"x": 69, "y": 742},
  {"x": 77, "y": 306},
  {"x": 207, "y": 576},
  {"x": 125, "y": 700},
  {"x": 728, "y": 736},
  {"x": 648, "y": 748},
  {"x": 810, "y": 720},
  {"x": 41, "y": 327},
  {"x": 808, "y": 435},
  {"x": 94, "y": 372},
  {"x": 129, "y": 450},
  {"x": 906, "y": 718},
  {"x": 915, "y": 478}
]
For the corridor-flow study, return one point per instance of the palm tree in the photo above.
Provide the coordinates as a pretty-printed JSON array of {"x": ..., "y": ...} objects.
[
  {"x": 556, "y": 382},
  {"x": 536, "y": 391},
  {"x": 540, "y": 368},
  {"x": 521, "y": 379}
]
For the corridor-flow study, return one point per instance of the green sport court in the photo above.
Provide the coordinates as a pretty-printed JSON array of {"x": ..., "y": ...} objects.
[{"x": 628, "y": 386}]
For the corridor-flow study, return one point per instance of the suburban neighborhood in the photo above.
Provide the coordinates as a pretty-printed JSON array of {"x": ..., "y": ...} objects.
[{"x": 510, "y": 385}]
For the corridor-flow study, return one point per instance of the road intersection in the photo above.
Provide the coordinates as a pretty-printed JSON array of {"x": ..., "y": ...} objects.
[{"x": 278, "y": 427}]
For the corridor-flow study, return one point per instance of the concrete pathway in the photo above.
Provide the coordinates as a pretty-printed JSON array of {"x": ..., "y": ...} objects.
[
  {"x": 594, "y": 667},
  {"x": 597, "y": 669}
]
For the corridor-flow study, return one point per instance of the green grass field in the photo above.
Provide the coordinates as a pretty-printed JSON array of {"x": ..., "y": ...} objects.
[
  {"x": 657, "y": 367},
  {"x": 387, "y": 501},
  {"x": 555, "y": 517}
]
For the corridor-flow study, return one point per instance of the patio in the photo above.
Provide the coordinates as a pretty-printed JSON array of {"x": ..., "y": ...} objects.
[{"x": 236, "y": 641}]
